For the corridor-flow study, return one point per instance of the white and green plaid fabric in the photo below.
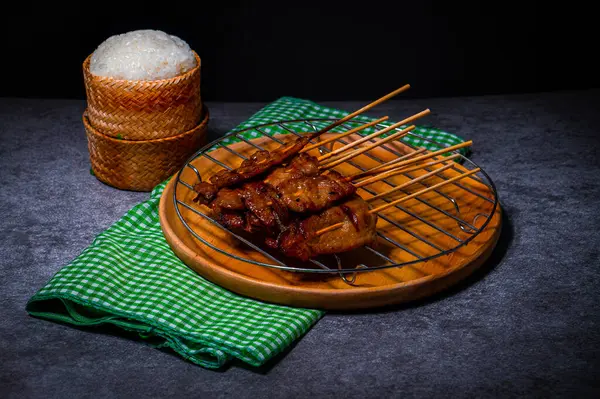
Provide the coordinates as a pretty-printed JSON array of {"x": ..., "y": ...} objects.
[{"x": 130, "y": 278}]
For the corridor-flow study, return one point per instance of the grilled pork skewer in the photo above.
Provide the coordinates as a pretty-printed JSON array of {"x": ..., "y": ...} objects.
[
  {"x": 277, "y": 207},
  {"x": 258, "y": 207},
  {"x": 297, "y": 187},
  {"x": 274, "y": 206},
  {"x": 301, "y": 239},
  {"x": 346, "y": 226},
  {"x": 257, "y": 164},
  {"x": 406, "y": 198},
  {"x": 262, "y": 161},
  {"x": 302, "y": 188},
  {"x": 299, "y": 184},
  {"x": 339, "y": 228}
]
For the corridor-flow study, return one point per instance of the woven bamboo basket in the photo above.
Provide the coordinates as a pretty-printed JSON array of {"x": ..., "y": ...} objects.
[
  {"x": 143, "y": 110},
  {"x": 139, "y": 165}
]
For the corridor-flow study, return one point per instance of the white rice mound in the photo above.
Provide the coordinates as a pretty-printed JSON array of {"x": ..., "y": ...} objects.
[{"x": 142, "y": 55}]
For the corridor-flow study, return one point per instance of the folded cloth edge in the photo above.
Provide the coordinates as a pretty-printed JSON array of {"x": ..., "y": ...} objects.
[{"x": 216, "y": 357}]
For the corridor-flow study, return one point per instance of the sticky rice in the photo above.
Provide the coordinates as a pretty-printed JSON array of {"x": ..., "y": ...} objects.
[{"x": 142, "y": 55}]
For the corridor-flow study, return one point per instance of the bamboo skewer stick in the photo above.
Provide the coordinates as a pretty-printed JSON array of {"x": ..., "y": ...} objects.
[
  {"x": 373, "y": 135},
  {"x": 341, "y": 135},
  {"x": 411, "y": 182},
  {"x": 360, "y": 111},
  {"x": 353, "y": 114},
  {"x": 413, "y": 160},
  {"x": 361, "y": 150},
  {"x": 396, "y": 202},
  {"x": 385, "y": 166},
  {"x": 399, "y": 170},
  {"x": 353, "y": 154},
  {"x": 426, "y": 190}
]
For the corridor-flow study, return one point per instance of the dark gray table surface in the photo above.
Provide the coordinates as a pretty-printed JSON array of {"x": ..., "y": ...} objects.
[{"x": 527, "y": 324}]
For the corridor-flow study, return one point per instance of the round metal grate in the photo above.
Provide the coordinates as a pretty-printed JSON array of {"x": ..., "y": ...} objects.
[{"x": 458, "y": 205}]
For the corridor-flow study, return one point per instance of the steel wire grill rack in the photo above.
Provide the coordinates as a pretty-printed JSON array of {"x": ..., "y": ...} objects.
[{"x": 276, "y": 132}]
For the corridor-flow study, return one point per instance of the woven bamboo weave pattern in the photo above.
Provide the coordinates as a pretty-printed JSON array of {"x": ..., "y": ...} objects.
[
  {"x": 143, "y": 110},
  {"x": 141, "y": 165}
]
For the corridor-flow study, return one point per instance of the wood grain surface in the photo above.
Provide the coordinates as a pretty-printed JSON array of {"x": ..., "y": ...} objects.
[{"x": 328, "y": 291}]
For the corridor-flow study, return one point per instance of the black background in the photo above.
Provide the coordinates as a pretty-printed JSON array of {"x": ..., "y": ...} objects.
[{"x": 323, "y": 50}]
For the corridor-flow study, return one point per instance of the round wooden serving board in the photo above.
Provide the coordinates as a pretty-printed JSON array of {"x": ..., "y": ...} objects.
[{"x": 328, "y": 291}]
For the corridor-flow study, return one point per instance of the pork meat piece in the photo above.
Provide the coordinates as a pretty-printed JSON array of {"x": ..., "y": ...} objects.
[
  {"x": 263, "y": 201},
  {"x": 359, "y": 228},
  {"x": 300, "y": 166},
  {"x": 206, "y": 193},
  {"x": 228, "y": 198},
  {"x": 315, "y": 193},
  {"x": 259, "y": 163}
]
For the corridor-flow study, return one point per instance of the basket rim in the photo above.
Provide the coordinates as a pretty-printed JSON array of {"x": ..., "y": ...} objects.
[
  {"x": 86, "y": 67},
  {"x": 203, "y": 123}
]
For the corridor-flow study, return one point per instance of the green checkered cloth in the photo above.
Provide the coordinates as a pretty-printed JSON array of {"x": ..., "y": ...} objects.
[{"x": 129, "y": 277}]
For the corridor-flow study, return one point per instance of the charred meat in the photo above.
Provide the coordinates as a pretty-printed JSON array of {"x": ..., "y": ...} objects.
[
  {"x": 255, "y": 206},
  {"x": 262, "y": 201},
  {"x": 297, "y": 185},
  {"x": 232, "y": 220},
  {"x": 359, "y": 228},
  {"x": 228, "y": 199},
  {"x": 290, "y": 203},
  {"x": 300, "y": 166},
  {"x": 205, "y": 192},
  {"x": 315, "y": 193},
  {"x": 259, "y": 163}
]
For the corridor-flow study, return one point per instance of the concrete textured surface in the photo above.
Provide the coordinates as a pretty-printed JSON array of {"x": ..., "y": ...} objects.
[{"x": 525, "y": 325}]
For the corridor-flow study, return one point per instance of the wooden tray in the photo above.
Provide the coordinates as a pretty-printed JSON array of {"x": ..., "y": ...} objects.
[{"x": 329, "y": 291}]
